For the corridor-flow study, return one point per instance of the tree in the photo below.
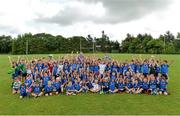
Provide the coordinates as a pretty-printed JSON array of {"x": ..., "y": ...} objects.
[
  {"x": 178, "y": 35},
  {"x": 155, "y": 46},
  {"x": 5, "y": 44},
  {"x": 169, "y": 37},
  {"x": 47, "y": 43}
]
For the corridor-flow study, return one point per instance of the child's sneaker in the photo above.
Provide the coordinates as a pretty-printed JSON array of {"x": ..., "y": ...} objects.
[
  {"x": 160, "y": 93},
  {"x": 20, "y": 97},
  {"x": 35, "y": 96},
  {"x": 101, "y": 92},
  {"x": 73, "y": 94},
  {"x": 165, "y": 93}
]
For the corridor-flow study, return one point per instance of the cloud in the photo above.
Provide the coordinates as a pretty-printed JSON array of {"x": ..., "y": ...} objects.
[
  {"x": 104, "y": 11},
  {"x": 11, "y": 30},
  {"x": 83, "y": 17}
]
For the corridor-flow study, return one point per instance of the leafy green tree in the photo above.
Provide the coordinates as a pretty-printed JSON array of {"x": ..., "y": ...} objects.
[
  {"x": 155, "y": 46},
  {"x": 5, "y": 44}
]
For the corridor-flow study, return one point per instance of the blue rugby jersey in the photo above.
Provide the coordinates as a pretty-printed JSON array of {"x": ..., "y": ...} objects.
[
  {"x": 37, "y": 89},
  {"x": 22, "y": 90},
  {"x": 121, "y": 85},
  {"x": 153, "y": 84},
  {"x": 48, "y": 88},
  {"x": 163, "y": 84},
  {"x": 133, "y": 67},
  {"x": 77, "y": 86},
  {"x": 57, "y": 85},
  {"x": 164, "y": 68},
  {"x": 45, "y": 80},
  {"x": 129, "y": 85},
  {"x": 145, "y": 85},
  {"x": 145, "y": 68},
  {"x": 112, "y": 85},
  {"x": 28, "y": 82}
]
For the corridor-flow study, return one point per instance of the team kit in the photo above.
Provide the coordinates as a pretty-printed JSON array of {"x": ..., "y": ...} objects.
[{"x": 78, "y": 74}]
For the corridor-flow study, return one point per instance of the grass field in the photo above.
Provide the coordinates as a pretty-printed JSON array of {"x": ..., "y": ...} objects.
[{"x": 93, "y": 103}]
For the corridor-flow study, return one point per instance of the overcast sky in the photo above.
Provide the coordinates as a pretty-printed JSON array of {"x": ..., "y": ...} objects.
[{"x": 83, "y": 17}]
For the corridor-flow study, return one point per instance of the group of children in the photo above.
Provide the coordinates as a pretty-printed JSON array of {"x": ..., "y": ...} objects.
[{"x": 79, "y": 74}]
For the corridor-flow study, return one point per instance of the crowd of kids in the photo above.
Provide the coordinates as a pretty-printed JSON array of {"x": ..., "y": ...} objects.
[{"x": 72, "y": 75}]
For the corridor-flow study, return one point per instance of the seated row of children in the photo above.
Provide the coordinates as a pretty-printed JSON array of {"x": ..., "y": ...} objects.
[
  {"x": 72, "y": 76},
  {"x": 149, "y": 85}
]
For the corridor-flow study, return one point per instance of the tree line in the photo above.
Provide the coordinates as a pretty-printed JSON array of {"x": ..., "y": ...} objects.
[{"x": 42, "y": 43}]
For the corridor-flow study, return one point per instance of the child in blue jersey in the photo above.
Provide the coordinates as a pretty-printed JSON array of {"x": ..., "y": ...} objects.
[
  {"x": 129, "y": 86},
  {"x": 163, "y": 86},
  {"x": 114, "y": 67},
  {"x": 55, "y": 70},
  {"x": 145, "y": 86},
  {"x": 133, "y": 66},
  {"x": 112, "y": 86},
  {"x": 138, "y": 67},
  {"x": 77, "y": 86},
  {"x": 157, "y": 68},
  {"x": 96, "y": 69},
  {"x": 48, "y": 89},
  {"x": 91, "y": 68},
  {"x": 125, "y": 68},
  {"x": 145, "y": 68},
  {"x": 73, "y": 66},
  {"x": 66, "y": 67},
  {"x": 57, "y": 85},
  {"x": 45, "y": 78},
  {"x": 108, "y": 67},
  {"x": 84, "y": 87},
  {"x": 136, "y": 86},
  {"x": 128, "y": 75},
  {"x": 164, "y": 69},
  {"x": 105, "y": 85},
  {"x": 64, "y": 81},
  {"x": 37, "y": 90},
  {"x": 23, "y": 92},
  {"x": 113, "y": 76},
  {"x": 70, "y": 90},
  {"x": 28, "y": 82},
  {"x": 89, "y": 84},
  {"x": 121, "y": 85},
  {"x": 83, "y": 76},
  {"x": 153, "y": 85},
  {"x": 120, "y": 69}
]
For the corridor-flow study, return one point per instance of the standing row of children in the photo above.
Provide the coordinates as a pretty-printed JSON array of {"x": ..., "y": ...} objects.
[{"x": 72, "y": 75}]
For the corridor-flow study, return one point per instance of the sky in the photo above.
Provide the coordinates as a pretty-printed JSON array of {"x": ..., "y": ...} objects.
[{"x": 83, "y": 17}]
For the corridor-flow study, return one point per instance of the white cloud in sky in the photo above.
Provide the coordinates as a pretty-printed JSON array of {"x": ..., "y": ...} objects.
[{"x": 81, "y": 17}]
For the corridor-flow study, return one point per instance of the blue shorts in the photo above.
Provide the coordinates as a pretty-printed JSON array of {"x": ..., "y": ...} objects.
[
  {"x": 23, "y": 94},
  {"x": 163, "y": 90},
  {"x": 16, "y": 89}
]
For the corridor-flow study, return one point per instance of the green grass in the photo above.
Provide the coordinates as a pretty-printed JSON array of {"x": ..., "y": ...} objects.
[{"x": 93, "y": 103}]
